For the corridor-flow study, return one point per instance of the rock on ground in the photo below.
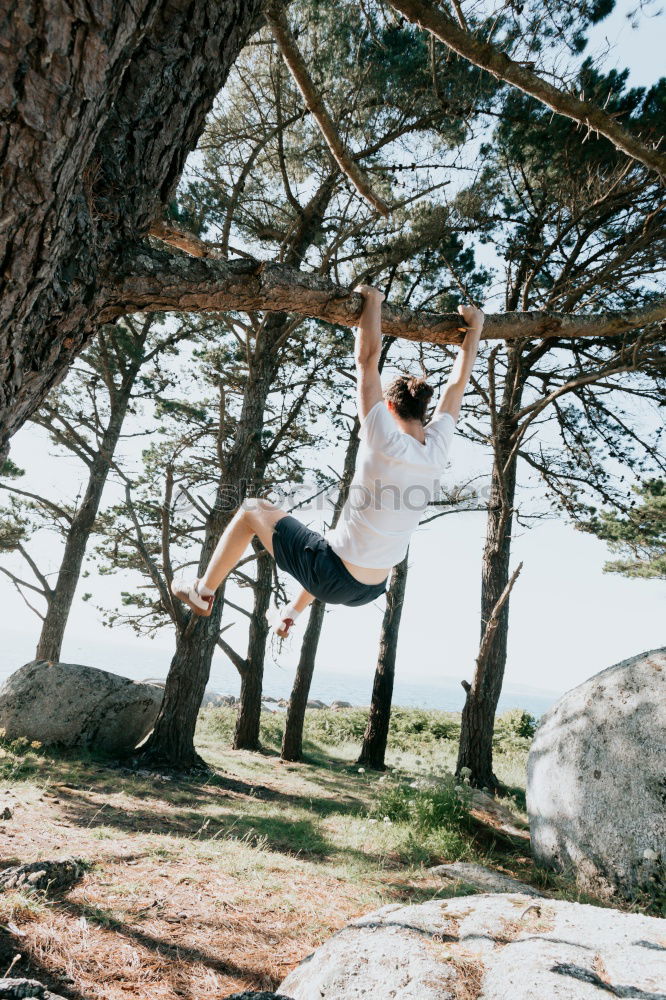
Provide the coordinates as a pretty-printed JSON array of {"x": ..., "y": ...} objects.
[
  {"x": 50, "y": 876},
  {"x": 501, "y": 947},
  {"x": 484, "y": 879},
  {"x": 596, "y": 780},
  {"x": 211, "y": 696},
  {"x": 74, "y": 705},
  {"x": 21, "y": 989},
  {"x": 258, "y": 996}
]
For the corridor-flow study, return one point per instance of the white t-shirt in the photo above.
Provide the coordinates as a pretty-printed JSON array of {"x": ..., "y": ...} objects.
[{"x": 396, "y": 478}]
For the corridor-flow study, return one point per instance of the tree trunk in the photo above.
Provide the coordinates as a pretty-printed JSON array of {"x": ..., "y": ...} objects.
[
  {"x": 232, "y": 490},
  {"x": 245, "y": 465},
  {"x": 61, "y": 596},
  {"x": 478, "y": 716},
  {"x": 292, "y": 740},
  {"x": 248, "y": 722},
  {"x": 172, "y": 740},
  {"x": 99, "y": 107},
  {"x": 375, "y": 738}
]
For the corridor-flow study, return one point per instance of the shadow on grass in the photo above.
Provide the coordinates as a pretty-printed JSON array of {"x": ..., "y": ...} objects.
[
  {"x": 29, "y": 968},
  {"x": 75, "y": 772},
  {"x": 166, "y": 949},
  {"x": 291, "y": 836}
]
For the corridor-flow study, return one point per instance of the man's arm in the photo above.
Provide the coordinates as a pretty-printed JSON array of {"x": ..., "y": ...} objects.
[
  {"x": 367, "y": 350},
  {"x": 451, "y": 399}
]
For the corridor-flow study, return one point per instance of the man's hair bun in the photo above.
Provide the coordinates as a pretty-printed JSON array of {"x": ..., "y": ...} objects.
[
  {"x": 410, "y": 396},
  {"x": 419, "y": 389}
]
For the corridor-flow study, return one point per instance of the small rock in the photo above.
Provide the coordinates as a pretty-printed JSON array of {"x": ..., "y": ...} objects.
[
  {"x": 22, "y": 989},
  {"x": 314, "y": 703},
  {"x": 257, "y": 996},
  {"x": 46, "y": 875},
  {"x": 483, "y": 879},
  {"x": 341, "y": 704},
  {"x": 6, "y": 813}
]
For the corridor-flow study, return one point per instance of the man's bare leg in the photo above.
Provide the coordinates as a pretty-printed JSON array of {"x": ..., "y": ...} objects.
[{"x": 255, "y": 517}]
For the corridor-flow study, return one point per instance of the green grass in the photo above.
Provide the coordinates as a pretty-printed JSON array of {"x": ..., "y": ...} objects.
[{"x": 255, "y": 851}]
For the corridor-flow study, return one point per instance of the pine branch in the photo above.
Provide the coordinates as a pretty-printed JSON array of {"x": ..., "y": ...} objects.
[
  {"x": 315, "y": 104},
  {"x": 152, "y": 279},
  {"x": 490, "y": 58}
]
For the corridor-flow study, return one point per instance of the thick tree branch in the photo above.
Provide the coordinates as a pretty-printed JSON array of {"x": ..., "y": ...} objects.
[
  {"x": 482, "y": 54},
  {"x": 149, "y": 562},
  {"x": 315, "y": 104},
  {"x": 491, "y": 627},
  {"x": 154, "y": 280},
  {"x": 238, "y": 661}
]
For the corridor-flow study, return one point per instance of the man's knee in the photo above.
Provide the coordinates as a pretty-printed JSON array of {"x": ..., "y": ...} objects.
[
  {"x": 257, "y": 504},
  {"x": 252, "y": 509}
]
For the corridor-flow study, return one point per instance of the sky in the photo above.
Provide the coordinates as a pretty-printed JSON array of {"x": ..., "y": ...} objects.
[{"x": 568, "y": 619}]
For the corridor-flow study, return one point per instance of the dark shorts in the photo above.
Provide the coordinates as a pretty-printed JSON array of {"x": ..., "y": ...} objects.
[{"x": 307, "y": 556}]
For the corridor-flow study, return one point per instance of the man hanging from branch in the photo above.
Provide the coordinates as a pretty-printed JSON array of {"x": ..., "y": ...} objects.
[{"x": 397, "y": 475}]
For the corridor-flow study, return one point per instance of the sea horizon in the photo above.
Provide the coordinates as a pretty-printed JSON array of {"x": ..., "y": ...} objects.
[{"x": 149, "y": 661}]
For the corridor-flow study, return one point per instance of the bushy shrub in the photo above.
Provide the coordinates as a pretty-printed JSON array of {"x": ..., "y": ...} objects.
[
  {"x": 426, "y": 805},
  {"x": 412, "y": 729},
  {"x": 514, "y": 730}
]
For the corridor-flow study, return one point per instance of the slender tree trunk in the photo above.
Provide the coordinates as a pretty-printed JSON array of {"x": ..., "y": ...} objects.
[
  {"x": 190, "y": 668},
  {"x": 478, "y": 716},
  {"x": 248, "y": 722},
  {"x": 375, "y": 738},
  {"x": 61, "y": 596},
  {"x": 292, "y": 740}
]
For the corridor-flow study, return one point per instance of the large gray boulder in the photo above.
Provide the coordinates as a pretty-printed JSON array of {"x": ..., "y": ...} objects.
[
  {"x": 500, "y": 947},
  {"x": 596, "y": 780},
  {"x": 72, "y": 705}
]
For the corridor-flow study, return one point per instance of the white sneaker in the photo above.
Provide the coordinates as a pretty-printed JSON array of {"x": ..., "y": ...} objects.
[
  {"x": 283, "y": 621},
  {"x": 187, "y": 593}
]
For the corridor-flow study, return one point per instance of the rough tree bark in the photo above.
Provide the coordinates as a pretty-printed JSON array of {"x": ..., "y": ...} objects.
[
  {"x": 478, "y": 716},
  {"x": 100, "y": 104},
  {"x": 248, "y": 720},
  {"x": 151, "y": 279},
  {"x": 375, "y": 738}
]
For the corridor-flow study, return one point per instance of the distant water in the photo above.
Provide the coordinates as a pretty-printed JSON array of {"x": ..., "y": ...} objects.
[{"x": 143, "y": 659}]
